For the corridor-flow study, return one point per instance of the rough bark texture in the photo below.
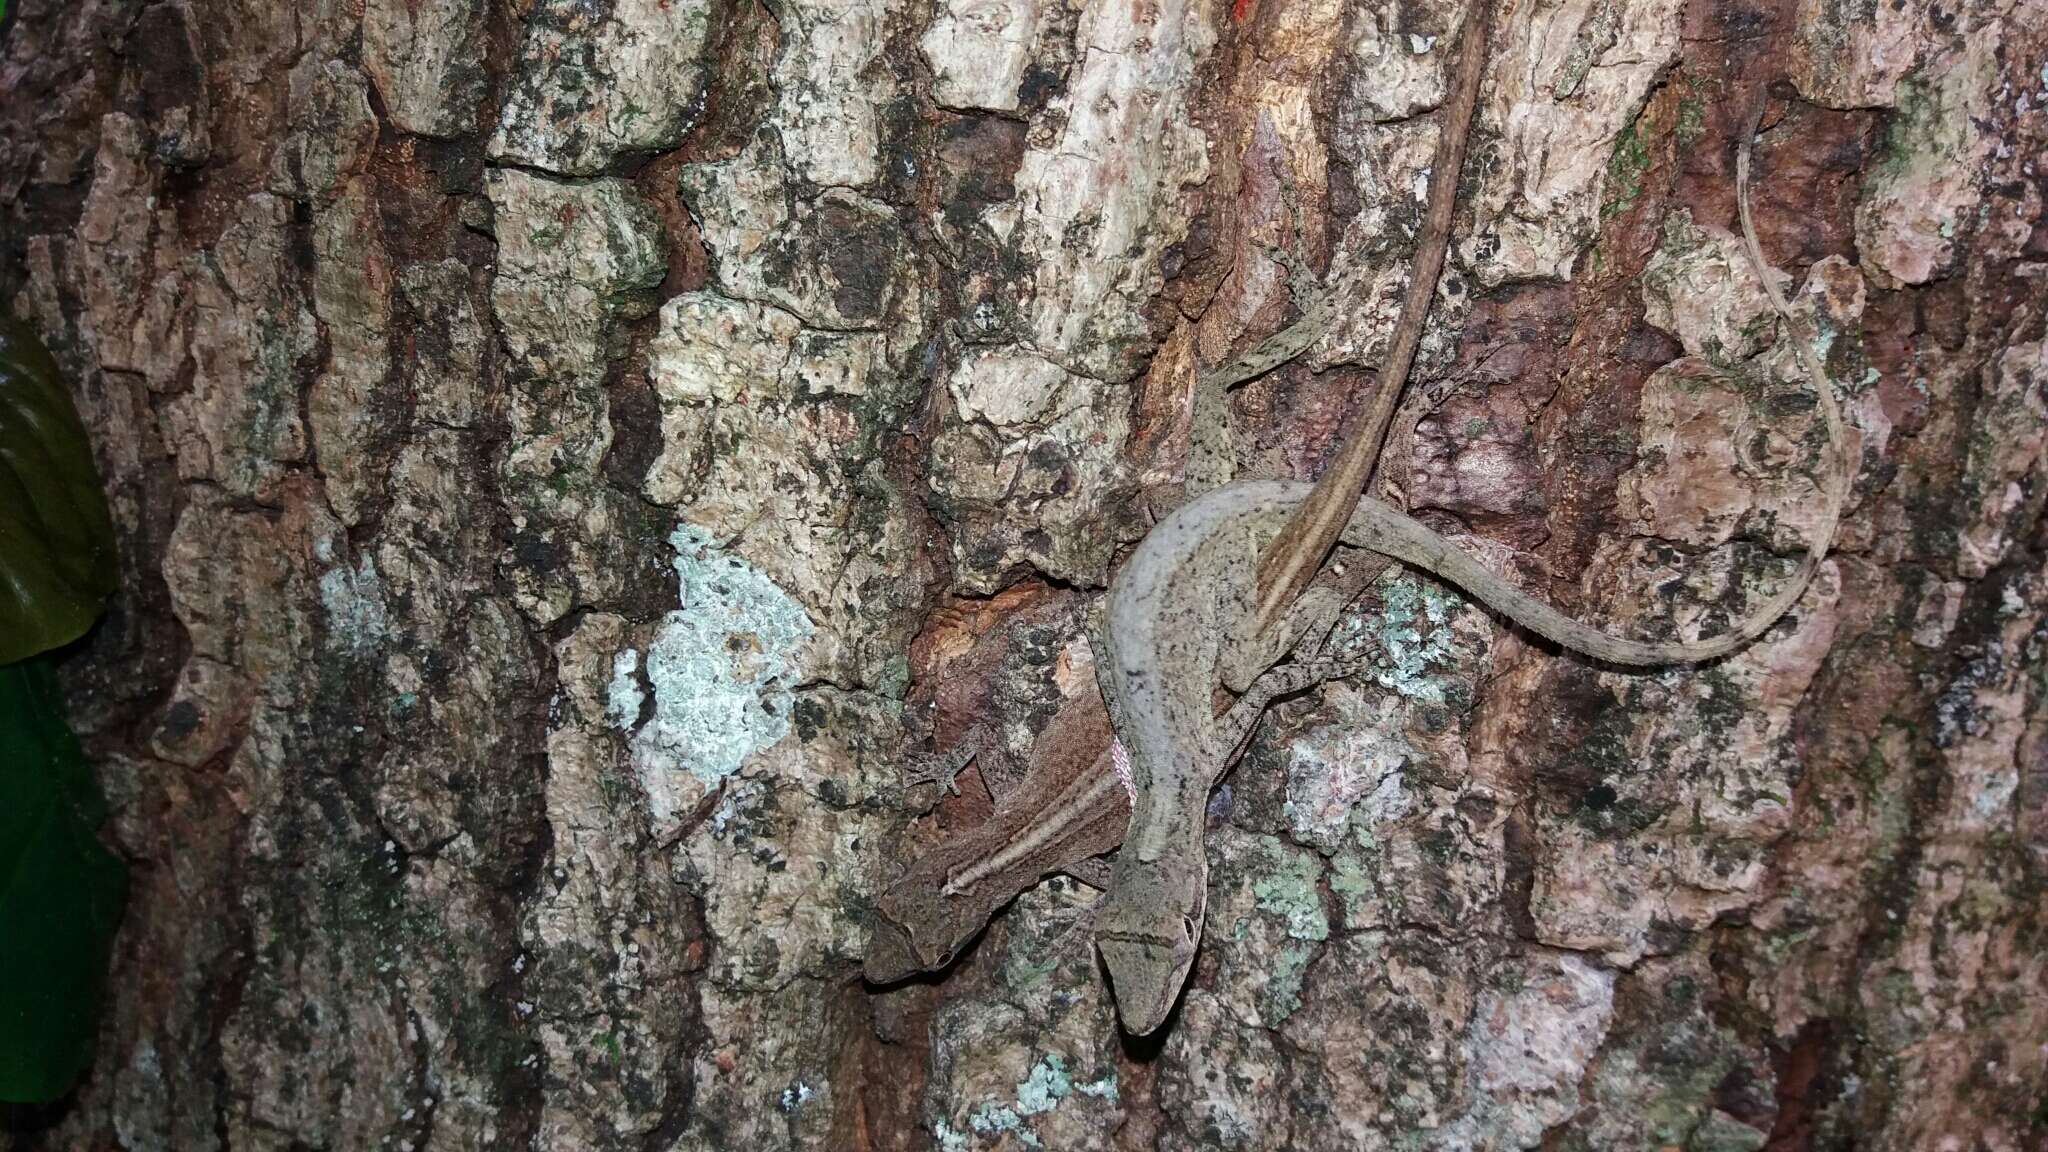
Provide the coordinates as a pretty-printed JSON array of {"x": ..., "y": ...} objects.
[{"x": 568, "y": 452}]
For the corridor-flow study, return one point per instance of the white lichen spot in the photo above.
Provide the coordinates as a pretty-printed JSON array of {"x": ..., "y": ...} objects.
[
  {"x": 1991, "y": 797},
  {"x": 720, "y": 667},
  {"x": 596, "y": 81},
  {"x": 1044, "y": 1087},
  {"x": 1931, "y": 174},
  {"x": 949, "y": 1139},
  {"x": 797, "y": 1095},
  {"x": 1420, "y": 44},
  {"x": 1099, "y": 192},
  {"x": 1288, "y": 890},
  {"x": 1007, "y": 389},
  {"x": 354, "y": 600},
  {"x": 1348, "y": 776},
  {"x": 1102, "y": 1089},
  {"x": 623, "y": 697},
  {"x": 991, "y": 1119},
  {"x": 1530, "y": 1043},
  {"x": 829, "y": 114},
  {"x": 1410, "y": 633},
  {"x": 978, "y": 51}
]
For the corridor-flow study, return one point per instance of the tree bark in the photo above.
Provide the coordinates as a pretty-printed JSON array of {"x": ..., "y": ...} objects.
[{"x": 569, "y": 453}]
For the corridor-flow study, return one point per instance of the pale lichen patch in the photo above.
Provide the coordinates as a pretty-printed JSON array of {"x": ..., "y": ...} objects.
[
  {"x": 769, "y": 438},
  {"x": 1347, "y": 773},
  {"x": 836, "y": 258},
  {"x": 1416, "y": 645},
  {"x": 2007, "y": 455},
  {"x": 1567, "y": 82},
  {"x": 722, "y": 670},
  {"x": 1532, "y": 1038},
  {"x": 833, "y": 83},
  {"x": 1028, "y": 1060},
  {"x": 1029, "y": 466},
  {"x": 1099, "y": 191},
  {"x": 1392, "y": 72},
  {"x": 624, "y": 697},
  {"x": 357, "y": 618},
  {"x": 1699, "y": 286},
  {"x": 426, "y": 57}
]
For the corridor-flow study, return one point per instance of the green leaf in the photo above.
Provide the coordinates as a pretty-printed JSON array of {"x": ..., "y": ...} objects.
[
  {"x": 60, "y": 892},
  {"x": 56, "y": 539}
]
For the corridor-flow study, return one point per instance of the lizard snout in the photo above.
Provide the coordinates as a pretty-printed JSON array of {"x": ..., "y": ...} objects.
[
  {"x": 1147, "y": 972},
  {"x": 891, "y": 955}
]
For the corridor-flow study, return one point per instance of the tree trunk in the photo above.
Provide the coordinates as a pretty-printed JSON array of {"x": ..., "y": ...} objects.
[{"x": 568, "y": 454}]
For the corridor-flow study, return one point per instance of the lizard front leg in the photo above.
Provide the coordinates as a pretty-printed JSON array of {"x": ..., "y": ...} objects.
[
  {"x": 980, "y": 746},
  {"x": 1233, "y": 729}
]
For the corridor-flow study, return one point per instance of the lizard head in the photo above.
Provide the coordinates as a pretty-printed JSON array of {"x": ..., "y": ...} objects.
[
  {"x": 915, "y": 929},
  {"x": 891, "y": 954},
  {"x": 1147, "y": 932}
]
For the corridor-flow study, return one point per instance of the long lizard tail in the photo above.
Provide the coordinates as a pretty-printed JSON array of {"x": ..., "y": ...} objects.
[{"x": 1382, "y": 529}]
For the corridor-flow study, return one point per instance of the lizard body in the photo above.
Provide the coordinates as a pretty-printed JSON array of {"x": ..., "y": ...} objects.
[
  {"x": 1192, "y": 584},
  {"x": 1071, "y": 803},
  {"x": 1068, "y": 805}
]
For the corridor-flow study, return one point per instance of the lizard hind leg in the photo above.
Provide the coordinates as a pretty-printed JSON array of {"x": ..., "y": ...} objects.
[
  {"x": 1094, "y": 871},
  {"x": 1307, "y": 623}
]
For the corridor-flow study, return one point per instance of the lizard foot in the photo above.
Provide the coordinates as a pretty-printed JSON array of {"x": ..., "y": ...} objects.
[
  {"x": 943, "y": 769},
  {"x": 1340, "y": 664}
]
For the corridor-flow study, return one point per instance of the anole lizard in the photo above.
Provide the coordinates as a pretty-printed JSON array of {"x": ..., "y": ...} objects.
[
  {"x": 1192, "y": 583},
  {"x": 1070, "y": 805}
]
